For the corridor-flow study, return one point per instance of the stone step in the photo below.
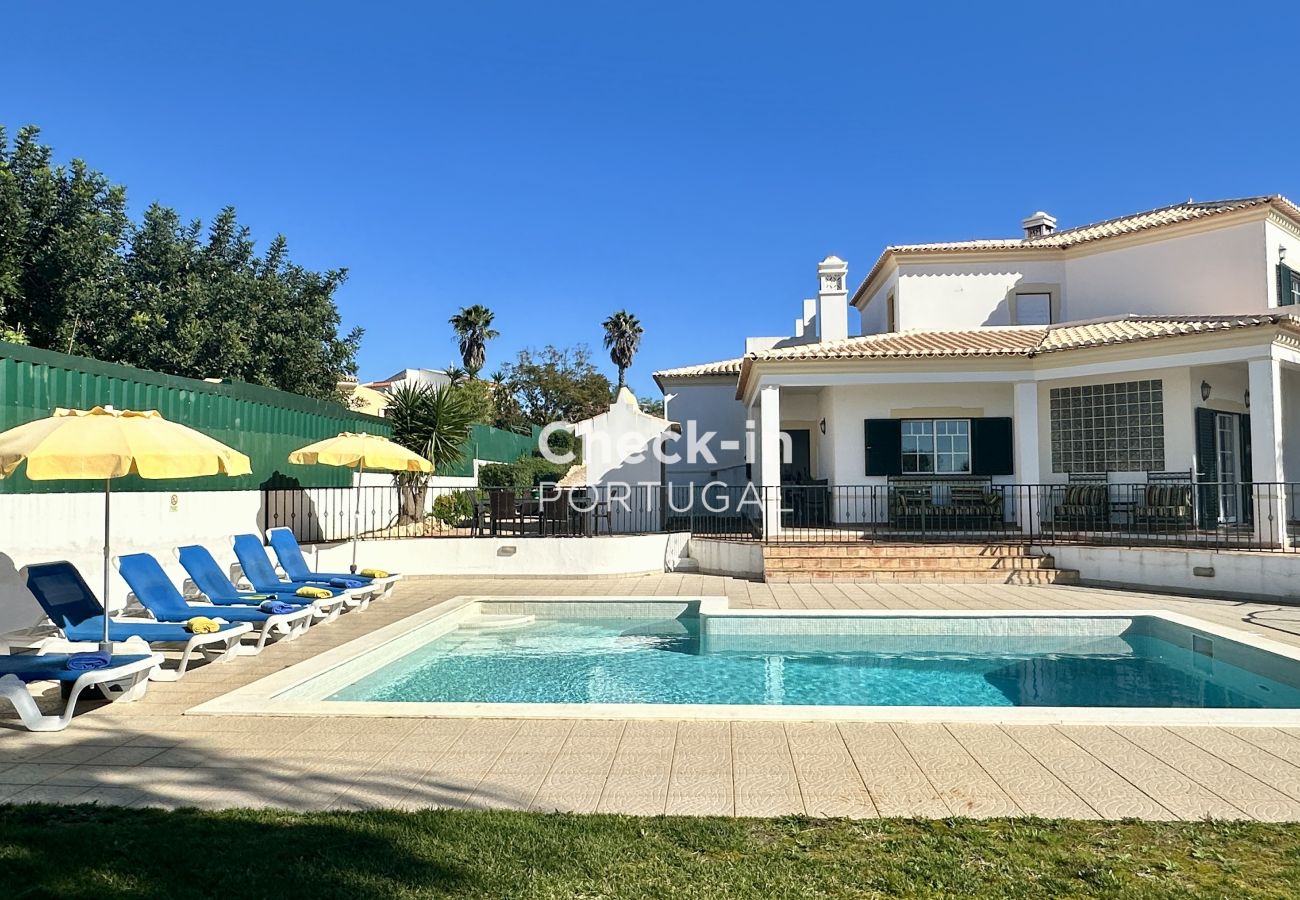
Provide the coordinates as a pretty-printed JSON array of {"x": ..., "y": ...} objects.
[
  {"x": 933, "y": 576},
  {"x": 870, "y": 551},
  {"x": 907, "y": 563},
  {"x": 494, "y": 621}
]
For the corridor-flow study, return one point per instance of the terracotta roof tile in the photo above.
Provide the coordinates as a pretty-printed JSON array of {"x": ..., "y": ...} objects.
[
  {"x": 1019, "y": 340},
  {"x": 721, "y": 367},
  {"x": 1084, "y": 234}
]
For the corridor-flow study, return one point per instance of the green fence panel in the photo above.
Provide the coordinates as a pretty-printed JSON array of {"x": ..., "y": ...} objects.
[
  {"x": 263, "y": 423},
  {"x": 493, "y": 445}
]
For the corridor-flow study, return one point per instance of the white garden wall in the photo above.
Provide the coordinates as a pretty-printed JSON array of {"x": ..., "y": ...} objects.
[
  {"x": 741, "y": 559},
  {"x": 508, "y": 557},
  {"x": 47, "y": 527},
  {"x": 1229, "y": 574}
]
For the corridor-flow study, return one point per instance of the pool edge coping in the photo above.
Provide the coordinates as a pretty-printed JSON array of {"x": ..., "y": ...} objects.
[{"x": 263, "y": 696}]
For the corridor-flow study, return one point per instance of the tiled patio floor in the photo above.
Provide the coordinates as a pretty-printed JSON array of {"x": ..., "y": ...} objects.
[{"x": 148, "y": 753}]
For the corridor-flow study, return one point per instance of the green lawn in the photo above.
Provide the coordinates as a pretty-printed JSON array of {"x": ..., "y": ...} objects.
[{"x": 103, "y": 852}]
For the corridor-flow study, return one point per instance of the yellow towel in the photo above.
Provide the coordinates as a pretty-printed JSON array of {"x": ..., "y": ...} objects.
[
  {"x": 373, "y": 573},
  {"x": 313, "y": 593},
  {"x": 202, "y": 625}
]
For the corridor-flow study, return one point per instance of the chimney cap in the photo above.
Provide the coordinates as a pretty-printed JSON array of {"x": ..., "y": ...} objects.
[{"x": 1038, "y": 224}]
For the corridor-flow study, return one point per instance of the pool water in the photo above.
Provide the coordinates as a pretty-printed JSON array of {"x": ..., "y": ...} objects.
[{"x": 667, "y": 662}]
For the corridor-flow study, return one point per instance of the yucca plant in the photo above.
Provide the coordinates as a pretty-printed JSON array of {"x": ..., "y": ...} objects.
[{"x": 435, "y": 423}]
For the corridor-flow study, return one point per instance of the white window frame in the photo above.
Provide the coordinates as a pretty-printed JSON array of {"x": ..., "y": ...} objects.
[{"x": 942, "y": 443}]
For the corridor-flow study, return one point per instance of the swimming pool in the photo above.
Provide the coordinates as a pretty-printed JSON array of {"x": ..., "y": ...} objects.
[
  {"x": 666, "y": 661},
  {"x": 649, "y": 657}
]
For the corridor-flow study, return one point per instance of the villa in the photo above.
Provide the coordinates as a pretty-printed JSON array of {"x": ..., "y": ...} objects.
[
  {"x": 1154, "y": 350},
  {"x": 1000, "y": 399}
]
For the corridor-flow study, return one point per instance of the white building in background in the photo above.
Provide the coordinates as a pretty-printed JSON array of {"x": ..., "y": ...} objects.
[
  {"x": 1154, "y": 347},
  {"x": 371, "y": 397},
  {"x": 619, "y": 446}
]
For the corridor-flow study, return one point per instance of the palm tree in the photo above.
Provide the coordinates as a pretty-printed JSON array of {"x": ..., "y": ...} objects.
[
  {"x": 456, "y": 375},
  {"x": 473, "y": 327},
  {"x": 435, "y": 423},
  {"x": 622, "y": 339}
]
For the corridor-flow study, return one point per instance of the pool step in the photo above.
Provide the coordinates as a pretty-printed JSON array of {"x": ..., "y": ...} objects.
[
  {"x": 895, "y": 563},
  {"x": 488, "y": 622},
  {"x": 891, "y": 550}
]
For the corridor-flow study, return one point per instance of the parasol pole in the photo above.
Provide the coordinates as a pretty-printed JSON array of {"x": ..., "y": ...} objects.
[
  {"x": 356, "y": 513},
  {"x": 106, "y": 646}
]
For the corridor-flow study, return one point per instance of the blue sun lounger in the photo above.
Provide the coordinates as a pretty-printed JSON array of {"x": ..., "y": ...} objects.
[
  {"x": 260, "y": 572},
  {"x": 124, "y": 678},
  {"x": 295, "y": 566},
  {"x": 78, "y": 614},
  {"x": 156, "y": 593},
  {"x": 208, "y": 577}
]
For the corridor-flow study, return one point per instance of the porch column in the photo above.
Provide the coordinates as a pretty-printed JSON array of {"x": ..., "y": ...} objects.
[
  {"x": 1029, "y": 473},
  {"x": 769, "y": 457},
  {"x": 1266, "y": 460}
]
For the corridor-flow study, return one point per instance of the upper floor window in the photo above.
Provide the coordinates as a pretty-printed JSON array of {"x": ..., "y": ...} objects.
[
  {"x": 940, "y": 446},
  {"x": 891, "y": 312},
  {"x": 1033, "y": 308},
  {"x": 1288, "y": 286}
]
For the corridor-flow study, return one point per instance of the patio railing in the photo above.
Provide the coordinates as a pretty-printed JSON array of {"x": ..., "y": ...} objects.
[{"x": 1166, "y": 512}]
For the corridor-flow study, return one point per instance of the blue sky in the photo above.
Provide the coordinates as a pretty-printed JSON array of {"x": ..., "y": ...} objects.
[{"x": 689, "y": 162}]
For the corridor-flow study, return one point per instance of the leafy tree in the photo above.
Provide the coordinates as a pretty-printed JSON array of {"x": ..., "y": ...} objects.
[
  {"x": 554, "y": 385},
  {"x": 652, "y": 405},
  {"x": 478, "y": 396},
  {"x": 434, "y": 423},
  {"x": 507, "y": 413},
  {"x": 473, "y": 327},
  {"x": 62, "y": 233},
  {"x": 77, "y": 276},
  {"x": 622, "y": 339}
]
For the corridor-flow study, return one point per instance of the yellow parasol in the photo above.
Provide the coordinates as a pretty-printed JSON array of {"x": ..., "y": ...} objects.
[
  {"x": 105, "y": 443},
  {"x": 360, "y": 452}
]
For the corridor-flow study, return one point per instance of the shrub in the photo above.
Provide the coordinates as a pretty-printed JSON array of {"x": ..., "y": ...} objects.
[
  {"x": 499, "y": 475},
  {"x": 452, "y": 509},
  {"x": 561, "y": 442},
  {"x": 526, "y": 472}
]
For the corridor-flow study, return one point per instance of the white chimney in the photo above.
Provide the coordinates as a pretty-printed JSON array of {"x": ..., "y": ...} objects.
[
  {"x": 1040, "y": 224},
  {"x": 832, "y": 299},
  {"x": 808, "y": 321}
]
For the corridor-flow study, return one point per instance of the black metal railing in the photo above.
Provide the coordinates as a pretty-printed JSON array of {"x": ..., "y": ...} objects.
[
  {"x": 382, "y": 512},
  {"x": 1164, "y": 511}
]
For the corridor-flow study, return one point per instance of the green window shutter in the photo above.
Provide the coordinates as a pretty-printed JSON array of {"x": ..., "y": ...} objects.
[
  {"x": 1285, "y": 278},
  {"x": 1247, "y": 474},
  {"x": 992, "y": 451},
  {"x": 884, "y": 445},
  {"x": 1207, "y": 469},
  {"x": 1207, "y": 461}
]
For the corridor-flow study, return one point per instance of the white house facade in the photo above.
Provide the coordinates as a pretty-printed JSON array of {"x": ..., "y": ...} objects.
[{"x": 1157, "y": 349}]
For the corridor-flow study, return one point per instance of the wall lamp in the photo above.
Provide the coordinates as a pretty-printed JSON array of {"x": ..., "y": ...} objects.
[
  {"x": 1247, "y": 398},
  {"x": 822, "y": 426},
  {"x": 1205, "y": 390}
]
